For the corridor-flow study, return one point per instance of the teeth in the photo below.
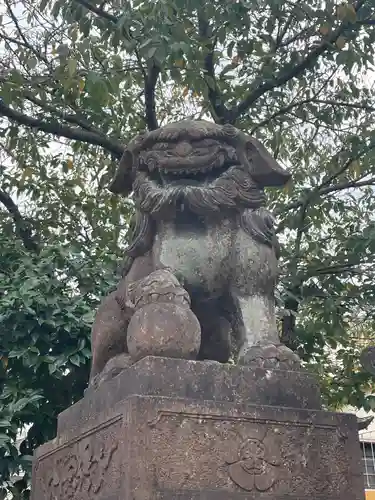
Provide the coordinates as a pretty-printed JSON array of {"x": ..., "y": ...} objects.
[{"x": 181, "y": 172}]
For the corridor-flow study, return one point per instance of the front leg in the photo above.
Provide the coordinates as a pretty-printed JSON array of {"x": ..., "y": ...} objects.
[
  {"x": 257, "y": 335},
  {"x": 252, "y": 290},
  {"x": 256, "y": 324}
]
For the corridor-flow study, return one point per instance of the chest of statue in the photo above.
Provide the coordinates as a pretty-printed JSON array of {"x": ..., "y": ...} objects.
[{"x": 201, "y": 258}]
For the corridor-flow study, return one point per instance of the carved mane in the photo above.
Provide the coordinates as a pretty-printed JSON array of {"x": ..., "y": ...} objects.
[{"x": 238, "y": 192}]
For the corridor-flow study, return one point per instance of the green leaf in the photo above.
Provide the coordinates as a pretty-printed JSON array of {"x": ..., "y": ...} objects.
[
  {"x": 86, "y": 352},
  {"x": 72, "y": 67},
  {"x": 17, "y": 353},
  {"x": 52, "y": 367},
  {"x": 88, "y": 318},
  {"x": 26, "y": 460},
  {"x": 32, "y": 62},
  {"x": 35, "y": 398},
  {"x": 97, "y": 87},
  {"x": 75, "y": 359},
  {"x": 20, "y": 405},
  {"x": 4, "y": 438},
  {"x": 151, "y": 52}
]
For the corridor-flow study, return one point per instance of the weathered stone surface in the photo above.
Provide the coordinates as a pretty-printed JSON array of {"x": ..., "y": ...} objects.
[
  {"x": 164, "y": 330},
  {"x": 151, "y": 448},
  {"x": 87, "y": 467},
  {"x": 112, "y": 368},
  {"x": 163, "y": 323},
  {"x": 214, "y": 495},
  {"x": 201, "y": 219},
  {"x": 271, "y": 356},
  {"x": 156, "y": 376},
  {"x": 233, "y": 449}
]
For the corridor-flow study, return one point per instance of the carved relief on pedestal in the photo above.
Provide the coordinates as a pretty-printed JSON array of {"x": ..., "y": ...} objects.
[
  {"x": 79, "y": 473},
  {"x": 268, "y": 452},
  {"x": 79, "y": 470},
  {"x": 257, "y": 466},
  {"x": 223, "y": 452}
]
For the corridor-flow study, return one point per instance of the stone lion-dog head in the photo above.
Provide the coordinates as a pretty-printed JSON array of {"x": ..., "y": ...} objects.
[{"x": 197, "y": 166}]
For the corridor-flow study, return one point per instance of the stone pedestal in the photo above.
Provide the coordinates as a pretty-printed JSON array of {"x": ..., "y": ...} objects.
[{"x": 184, "y": 430}]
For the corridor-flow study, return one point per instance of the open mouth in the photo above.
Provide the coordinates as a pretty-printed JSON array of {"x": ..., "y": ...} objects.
[
  {"x": 193, "y": 177},
  {"x": 187, "y": 165},
  {"x": 166, "y": 177}
]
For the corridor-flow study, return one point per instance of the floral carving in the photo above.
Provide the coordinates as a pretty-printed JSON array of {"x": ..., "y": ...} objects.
[
  {"x": 79, "y": 472},
  {"x": 257, "y": 464}
]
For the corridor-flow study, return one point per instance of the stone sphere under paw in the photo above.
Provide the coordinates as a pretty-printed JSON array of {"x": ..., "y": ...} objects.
[{"x": 164, "y": 329}]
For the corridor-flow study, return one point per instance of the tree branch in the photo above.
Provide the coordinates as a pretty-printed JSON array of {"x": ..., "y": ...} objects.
[
  {"x": 214, "y": 94},
  {"x": 282, "y": 32},
  {"x": 150, "y": 79},
  {"x": 149, "y": 95},
  {"x": 292, "y": 301},
  {"x": 98, "y": 11},
  {"x": 365, "y": 107},
  {"x": 23, "y": 229},
  {"x": 73, "y": 119},
  {"x": 24, "y": 39},
  {"x": 368, "y": 22},
  {"x": 281, "y": 111},
  {"x": 351, "y": 264},
  {"x": 325, "y": 188},
  {"x": 286, "y": 109},
  {"x": 16, "y": 42},
  {"x": 55, "y": 128},
  {"x": 347, "y": 185},
  {"x": 295, "y": 71},
  {"x": 295, "y": 37}
]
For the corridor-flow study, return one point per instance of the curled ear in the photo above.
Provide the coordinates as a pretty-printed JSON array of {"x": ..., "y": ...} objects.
[
  {"x": 123, "y": 181},
  {"x": 265, "y": 170}
]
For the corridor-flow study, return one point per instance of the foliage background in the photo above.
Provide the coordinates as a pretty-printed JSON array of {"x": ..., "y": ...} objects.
[{"x": 78, "y": 78}]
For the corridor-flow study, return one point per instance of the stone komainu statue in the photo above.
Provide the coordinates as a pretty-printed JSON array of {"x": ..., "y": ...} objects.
[{"x": 202, "y": 240}]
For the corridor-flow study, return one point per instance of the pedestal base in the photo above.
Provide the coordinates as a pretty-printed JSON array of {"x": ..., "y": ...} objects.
[{"x": 148, "y": 447}]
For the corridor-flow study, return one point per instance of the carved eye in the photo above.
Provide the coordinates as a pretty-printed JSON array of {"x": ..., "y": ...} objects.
[{"x": 161, "y": 146}]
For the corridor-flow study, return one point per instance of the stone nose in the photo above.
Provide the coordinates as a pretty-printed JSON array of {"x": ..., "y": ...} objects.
[{"x": 183, "y": 149}]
